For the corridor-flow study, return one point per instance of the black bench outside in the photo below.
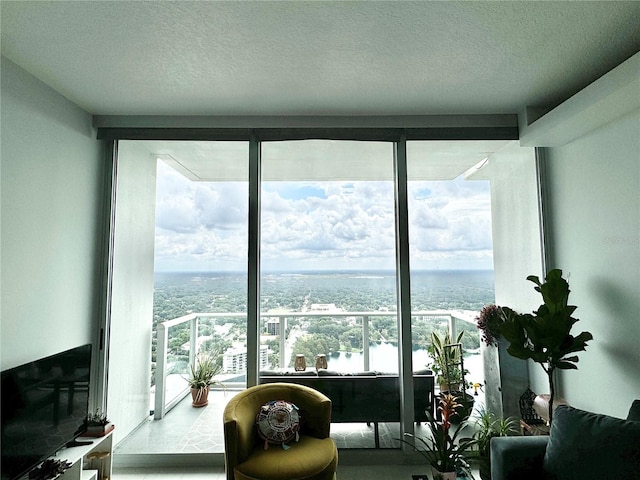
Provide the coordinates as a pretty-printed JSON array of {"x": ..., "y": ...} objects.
[{"x": 369, "y": 397}]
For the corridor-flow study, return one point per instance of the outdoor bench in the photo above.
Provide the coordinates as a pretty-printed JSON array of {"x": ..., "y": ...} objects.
[{"x": 369, "y": 397}]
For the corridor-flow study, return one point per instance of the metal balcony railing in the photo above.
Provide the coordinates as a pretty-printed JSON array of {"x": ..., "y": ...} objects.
[{"x": 170, "y": 389}]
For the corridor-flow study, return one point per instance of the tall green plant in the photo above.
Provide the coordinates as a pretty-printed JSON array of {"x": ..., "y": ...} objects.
[
  {"x": 544, "y": 336},
  {"x": 442, "y": 449},
  {"x": 445, "y": 364}
]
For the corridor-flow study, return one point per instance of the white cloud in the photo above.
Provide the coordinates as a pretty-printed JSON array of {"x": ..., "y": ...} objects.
[{"x": 203, "y": 226}]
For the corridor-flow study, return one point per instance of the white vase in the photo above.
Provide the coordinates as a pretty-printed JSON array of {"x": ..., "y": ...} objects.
[
  {"x": 437, "y": 475},
  {"x": 541, "y": 405}
]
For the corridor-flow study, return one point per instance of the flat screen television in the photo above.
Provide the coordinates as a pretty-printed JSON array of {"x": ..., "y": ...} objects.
[{"x": 44, "y": 407}]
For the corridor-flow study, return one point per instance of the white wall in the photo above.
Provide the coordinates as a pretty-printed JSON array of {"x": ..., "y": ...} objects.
[
  {"x": 517, "y": 253},
  {"x": 517, "y": 249},
  {"x": 51, "y": 167},
  {"x": 594, "y": 200}
]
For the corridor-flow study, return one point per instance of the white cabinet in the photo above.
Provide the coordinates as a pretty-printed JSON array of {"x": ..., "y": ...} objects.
[{"x": 88, "y": 462}]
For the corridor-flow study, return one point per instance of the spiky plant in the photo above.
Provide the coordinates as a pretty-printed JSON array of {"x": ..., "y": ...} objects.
[
  {"x": 442, "y": 449},
  {"x": 487, "y": 425},
  {"x": 203, "y": 373}
]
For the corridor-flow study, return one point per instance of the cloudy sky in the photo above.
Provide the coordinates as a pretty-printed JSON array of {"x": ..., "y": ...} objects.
[{"x": 333, "y": 225}]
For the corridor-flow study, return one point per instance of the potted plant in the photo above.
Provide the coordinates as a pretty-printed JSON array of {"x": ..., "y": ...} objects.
[
  {"x": 544, "y": 336},
  {"x": 445, "y": 362},
  {"x": 444, "y": 451},
  {"x": 202, "y": 377},
  {"x": 447, "y": 366},
  {"x": 489, "y": 322},
  {"x": 487, "y": 425},
  {"x": 97, "y": 424}
]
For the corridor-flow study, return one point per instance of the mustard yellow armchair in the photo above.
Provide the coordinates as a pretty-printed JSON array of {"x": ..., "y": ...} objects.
[{"x": 313, "y": 457}]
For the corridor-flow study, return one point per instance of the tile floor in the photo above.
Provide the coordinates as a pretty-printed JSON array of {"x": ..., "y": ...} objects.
[
  {"x": 346, "y": 472},
  {"x": 199, "y": 430},
  {"x": 187, "y": 444}
]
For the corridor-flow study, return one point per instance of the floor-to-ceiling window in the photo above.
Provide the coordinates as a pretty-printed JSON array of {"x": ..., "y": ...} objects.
[
  {"x": 200, "y": 287},
  {"x": 327, "y": 250},
  {"x": 328, "y": 254},
  {"x": 451, "y": 254}
]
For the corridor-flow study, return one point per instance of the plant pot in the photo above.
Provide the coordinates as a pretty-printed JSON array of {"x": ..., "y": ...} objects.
[
  {"x": 200, "y": 396},
  {"x": 484, "y": 466},
  {"x": 98, "y": 430},
  {"x": 455, "y": 387},
  {"x": 437, "y": 475}
]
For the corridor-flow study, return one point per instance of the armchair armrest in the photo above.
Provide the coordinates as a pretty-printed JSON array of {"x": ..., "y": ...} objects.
[{"x": 517, "y": 458}]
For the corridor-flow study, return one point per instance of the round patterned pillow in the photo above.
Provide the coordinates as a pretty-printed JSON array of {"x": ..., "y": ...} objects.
[{"x": 278, "y": 422}]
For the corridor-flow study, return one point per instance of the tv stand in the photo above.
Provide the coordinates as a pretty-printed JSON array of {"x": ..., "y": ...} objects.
[{"x": 90, "y": 458}]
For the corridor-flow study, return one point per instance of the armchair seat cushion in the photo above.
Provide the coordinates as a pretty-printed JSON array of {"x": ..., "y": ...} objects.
[{"x": 309, "y": 459}]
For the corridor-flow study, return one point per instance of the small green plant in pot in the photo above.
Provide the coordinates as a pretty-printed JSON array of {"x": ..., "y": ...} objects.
[
  {"x": 444, "y": 451},
  {"x": 97, "y": 424},
  {"x": 487, "y": 425},
  {"x": 202, "y": 377}
]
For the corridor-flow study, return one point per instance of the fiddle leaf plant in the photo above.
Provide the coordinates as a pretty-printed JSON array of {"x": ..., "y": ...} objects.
[{"x": 544, "y": 336}]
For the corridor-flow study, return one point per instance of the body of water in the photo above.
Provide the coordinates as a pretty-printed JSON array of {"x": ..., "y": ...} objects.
[{"x": 384, "y": 358}]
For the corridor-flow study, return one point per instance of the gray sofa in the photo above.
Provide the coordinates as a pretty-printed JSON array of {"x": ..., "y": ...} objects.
[
  {"x": 581, "y": 445},
  {"x": 370, "y": 397}
]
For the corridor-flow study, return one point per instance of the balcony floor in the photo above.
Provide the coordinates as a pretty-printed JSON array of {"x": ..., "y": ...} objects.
[{"x": 186, "y": 429}]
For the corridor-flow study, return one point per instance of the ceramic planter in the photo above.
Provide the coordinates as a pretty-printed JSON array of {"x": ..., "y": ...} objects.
[
  {"x": 437, "y": 475},
  {"x": 200, "y": 397}
]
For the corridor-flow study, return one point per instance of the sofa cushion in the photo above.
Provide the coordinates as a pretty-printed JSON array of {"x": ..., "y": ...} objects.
[
  {"x": 634, "y": 411},
  {"x": 323, "y": 372},
  {"x": 589, "y": 445},
  {"x": 271, "y": 373},
  {"x": 301, "y": 373}
]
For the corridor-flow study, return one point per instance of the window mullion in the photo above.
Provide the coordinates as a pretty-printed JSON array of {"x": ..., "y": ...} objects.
[
  {"x": 403, "y": 291},
  {"x": 253, "y": 272}
]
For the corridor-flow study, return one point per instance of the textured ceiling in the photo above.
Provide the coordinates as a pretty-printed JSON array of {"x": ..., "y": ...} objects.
[{"x": 317, "y": 58}]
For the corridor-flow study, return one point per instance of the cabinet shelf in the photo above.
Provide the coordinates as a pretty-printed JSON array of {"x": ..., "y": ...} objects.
[
  {"x": 88, "y": 462},
  {"x": 89, "y": 475}
]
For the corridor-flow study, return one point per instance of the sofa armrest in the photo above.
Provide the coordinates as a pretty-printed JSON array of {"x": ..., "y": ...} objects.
[{"x": 517, "y": 458}]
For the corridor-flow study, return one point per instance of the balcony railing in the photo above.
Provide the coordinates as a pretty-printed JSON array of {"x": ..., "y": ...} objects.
[{"x": 171, "y": 388}]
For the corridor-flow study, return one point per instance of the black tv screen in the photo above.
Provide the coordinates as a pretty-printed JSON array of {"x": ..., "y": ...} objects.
[{"x": 44, "y": 406}]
